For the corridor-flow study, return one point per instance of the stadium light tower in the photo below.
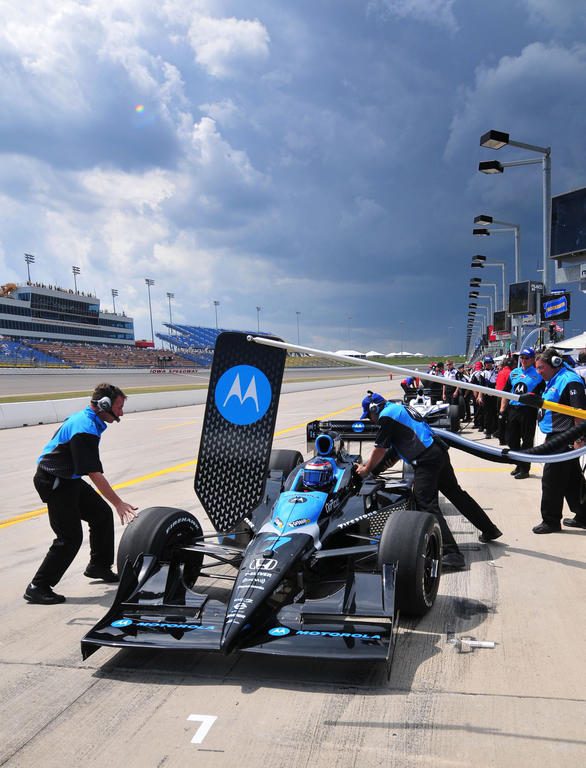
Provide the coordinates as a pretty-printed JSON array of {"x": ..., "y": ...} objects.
[
  {"x": 29, "y": 259},
  {"x": 114, "y": 294},
  {"x": 150, "y": 282},
  {"x": 75, "y": 271},
  {"x": 216, "y": 305},
  {"x": 498, "y": 139},
  {"x": 258, "y": 309},
  {"x": 298, "y": 315},
  {"x": 484, "y": 222}
]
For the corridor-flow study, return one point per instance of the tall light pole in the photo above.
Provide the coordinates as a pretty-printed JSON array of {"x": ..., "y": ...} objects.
[
  {"x": 481, "y": 261},
  {"x": 484, "y": 229},
  {"x": 29, "y": 259},
  {"x": 169, "y": 297},
  {"x": 258, "y": 309},
  {"x": 498, "y": 139},
  {"x": 401, "y": 324},
  {"x": 475, "y": 283},
  {"x": 298, "y": 314},
  {"x": 75, "y": 271},
  {"x": 114, "y": 294},
  {"x": 216, "y": 305},
  {"x": 349, "y": 321},
  {"x": 150, "y": 282}
]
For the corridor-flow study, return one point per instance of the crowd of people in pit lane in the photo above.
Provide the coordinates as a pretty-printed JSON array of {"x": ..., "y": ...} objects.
[{"x": 550, "y": 376}]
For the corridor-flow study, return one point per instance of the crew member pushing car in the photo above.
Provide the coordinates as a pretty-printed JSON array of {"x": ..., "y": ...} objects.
[
  {"x": 73, "y": 451},
  {"x": 404, "y": 431}
]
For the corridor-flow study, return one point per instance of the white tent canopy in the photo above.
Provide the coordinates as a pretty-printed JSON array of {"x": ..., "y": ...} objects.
[
  {"x": 372, "y": 353},
  {"x": 576, "y": 342}
]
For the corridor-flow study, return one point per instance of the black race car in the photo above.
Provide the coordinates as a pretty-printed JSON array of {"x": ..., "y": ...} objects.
[{"x": 306, "y": 560}]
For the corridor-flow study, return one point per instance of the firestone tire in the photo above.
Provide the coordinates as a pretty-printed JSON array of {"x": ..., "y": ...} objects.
[
  {"x": 157, "y": 531},
  {"x": 413, "y": 540},
  {"x": 454, "y": 416}
]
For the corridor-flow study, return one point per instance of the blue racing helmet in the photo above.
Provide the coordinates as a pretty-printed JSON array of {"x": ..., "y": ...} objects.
[
  {"x": 372, "y": 403},
  {"x": 317, "y": 473}
]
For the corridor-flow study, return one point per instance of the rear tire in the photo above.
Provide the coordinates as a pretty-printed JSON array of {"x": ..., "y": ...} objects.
[
  {"x": 158, "y": 531},
  {"x": 454, "y": 416},
  {"x": 413, "y": 540}
]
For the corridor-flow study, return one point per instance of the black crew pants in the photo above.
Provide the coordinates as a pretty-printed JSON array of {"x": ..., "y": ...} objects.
[
  {"x": 69, "y": 503},
  {"x": 490, "y": 407},
  {"x": 521, "y": 421},
  {"x": 433, "y": 473},
  {"x": 563, "y": 480}
]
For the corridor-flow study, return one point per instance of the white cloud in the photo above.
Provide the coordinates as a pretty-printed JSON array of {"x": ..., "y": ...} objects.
[
  {"x": 558, "y": 14},
  {"x": 222, "y": 111},
  {"x": 223, "y": 45},
  {"x": 436, "y": 12}
]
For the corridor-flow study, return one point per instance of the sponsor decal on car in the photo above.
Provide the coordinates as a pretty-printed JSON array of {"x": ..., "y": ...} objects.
[
  {"x": 297, "y": 523},
  {"x": 160, "y": 625},
  {"x": 262, "y": 564},
  {"x": 358, "y": 426},
  {"x": 282, "y": 631}
]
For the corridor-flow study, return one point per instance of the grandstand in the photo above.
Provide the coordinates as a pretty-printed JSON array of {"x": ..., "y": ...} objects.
[{"x": 199, "y": 342}]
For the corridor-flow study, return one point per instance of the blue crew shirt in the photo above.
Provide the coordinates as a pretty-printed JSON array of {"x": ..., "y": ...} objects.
[
  {"x": 402, "y": 428},
  {"x": 567, "y": 388},
  {"x": 73, "y": 451},
  {"x": 522, "y": 381}
]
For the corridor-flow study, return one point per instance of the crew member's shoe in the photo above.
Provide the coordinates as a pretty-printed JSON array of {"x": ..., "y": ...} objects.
[
  {"x": 453, "y": 560},
  {"x": 515, "y": 471},
  {"x": 102, "y": 572},
  {"x": 575, "y": 522},
  {"x": 42, "y": 595},
  {"x": 487, "y": 536},
  {"x": 521, "y": 475},
  {"x": 547, "y": 528}
]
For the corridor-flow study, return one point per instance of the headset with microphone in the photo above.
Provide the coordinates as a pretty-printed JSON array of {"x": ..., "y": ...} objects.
[{"x": 104, "y": 404}]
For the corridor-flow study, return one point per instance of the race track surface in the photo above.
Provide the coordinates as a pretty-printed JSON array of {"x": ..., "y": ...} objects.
[{"x": 519, "y": 703}]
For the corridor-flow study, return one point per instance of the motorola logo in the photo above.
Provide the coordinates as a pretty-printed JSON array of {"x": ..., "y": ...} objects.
[{"x": 243, "y": 394}]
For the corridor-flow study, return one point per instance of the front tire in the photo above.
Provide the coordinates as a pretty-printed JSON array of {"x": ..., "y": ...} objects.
[
  {"x": 413, "y": 540},
  {"x": 158, "y": 531}
]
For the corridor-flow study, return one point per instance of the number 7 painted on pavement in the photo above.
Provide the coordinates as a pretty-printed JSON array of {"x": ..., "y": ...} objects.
[{"x": 206, "y": 723}]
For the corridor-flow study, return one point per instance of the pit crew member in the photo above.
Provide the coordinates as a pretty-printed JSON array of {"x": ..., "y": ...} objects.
[
  {"x": 404, "y": 430},
  {"x": 73, "y": 451},
  {"x": 564, "y": 479}
]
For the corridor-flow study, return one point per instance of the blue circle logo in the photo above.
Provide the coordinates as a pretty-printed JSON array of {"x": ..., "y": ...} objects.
[
  {"x": 243, "y": 394},
  {"x": 279, "y": 631},
  {"x": 121, "y": 623},
  {"x": 358, "y": 426}
]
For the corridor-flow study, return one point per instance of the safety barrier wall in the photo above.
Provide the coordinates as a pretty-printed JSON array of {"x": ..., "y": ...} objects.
[{"x": 53, "y": 411}]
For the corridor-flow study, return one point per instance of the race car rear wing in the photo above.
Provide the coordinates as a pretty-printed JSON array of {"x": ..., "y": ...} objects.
[{"x": 348, "y": 431}]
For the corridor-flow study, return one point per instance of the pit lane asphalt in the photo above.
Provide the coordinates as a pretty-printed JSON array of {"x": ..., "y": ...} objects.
[{"x": 445, "y": 704}]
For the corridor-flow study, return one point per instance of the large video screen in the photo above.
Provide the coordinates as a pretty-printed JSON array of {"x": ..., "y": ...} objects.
[
  {"x": 522, "y": 298},
  {"x": 502, "y": 322},
  {"x": 568, "y": 224},
  {"x": 555, "y": 306}
]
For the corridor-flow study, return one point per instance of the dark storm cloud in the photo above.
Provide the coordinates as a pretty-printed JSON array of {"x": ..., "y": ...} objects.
[{"x": 313, "y": 157}]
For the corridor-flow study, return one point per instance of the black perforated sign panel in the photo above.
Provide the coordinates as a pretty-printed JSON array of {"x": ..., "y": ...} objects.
[{"x": 238, "y": 428}]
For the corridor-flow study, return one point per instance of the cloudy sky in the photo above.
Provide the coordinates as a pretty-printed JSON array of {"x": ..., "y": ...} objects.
[{"x": 311, "y": 156}]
